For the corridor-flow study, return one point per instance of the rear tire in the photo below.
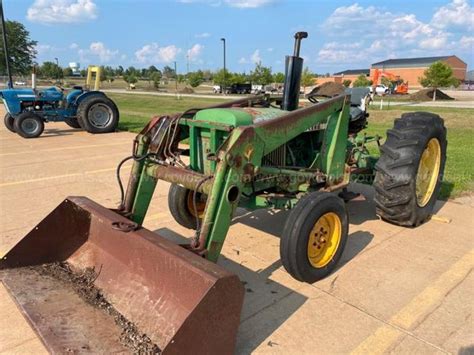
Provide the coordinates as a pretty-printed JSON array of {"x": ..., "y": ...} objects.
[
  {"x": 410, "y": 169},
  {"x": 9, "y": 122},
  {"x": 72, "y": 122},
  {"x": 314, "y": 236},
  {"x": 28, "y": 125},
  {"x": 180, "y": 204},
  {"x": 98, "y": 114}
]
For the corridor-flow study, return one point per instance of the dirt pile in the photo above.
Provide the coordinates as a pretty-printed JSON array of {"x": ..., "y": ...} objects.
[
  {"x": 427, "y": 95},
  {"x": 83, "y": 285},
  {"x": 328, "y": 89},
  {"x": 187, "y": 91}
]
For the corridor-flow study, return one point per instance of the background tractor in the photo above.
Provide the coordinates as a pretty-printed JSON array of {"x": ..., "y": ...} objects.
[
  {"x": 256, "y": 152},
  {"x": 28, "y": 109},
  {"x": 90, "y": 109}
]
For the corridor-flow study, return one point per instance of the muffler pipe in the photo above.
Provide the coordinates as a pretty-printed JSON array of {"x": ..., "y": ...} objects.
[{"x": 293, "y": 70}]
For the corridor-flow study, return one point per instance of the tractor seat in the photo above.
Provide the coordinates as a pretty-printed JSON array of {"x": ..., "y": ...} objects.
[{"x": 78, "y": 87}]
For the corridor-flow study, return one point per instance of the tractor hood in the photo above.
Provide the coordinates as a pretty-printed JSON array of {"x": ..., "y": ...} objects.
[{"x": 239, "y": 116}]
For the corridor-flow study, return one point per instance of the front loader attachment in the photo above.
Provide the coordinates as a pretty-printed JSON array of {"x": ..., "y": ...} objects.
[{"x": 141, "y": 284}]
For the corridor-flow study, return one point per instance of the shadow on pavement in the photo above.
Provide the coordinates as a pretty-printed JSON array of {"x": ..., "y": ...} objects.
[{"x": 261, "y": 293}]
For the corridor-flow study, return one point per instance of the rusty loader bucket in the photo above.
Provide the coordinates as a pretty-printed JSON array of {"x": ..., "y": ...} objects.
[{"x": 88, "y": 280}]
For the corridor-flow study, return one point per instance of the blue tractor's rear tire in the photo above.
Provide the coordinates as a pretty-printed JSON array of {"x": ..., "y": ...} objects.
[
  {"x": 98, "y": 114},
  {"x": 72, "y": 122},
  {"x": 8, "y": 120},
  {"x": 28, "y": 125}
]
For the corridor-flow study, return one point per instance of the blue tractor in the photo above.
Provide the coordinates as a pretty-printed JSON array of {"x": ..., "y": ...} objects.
[{"x": 28, "y": 109}]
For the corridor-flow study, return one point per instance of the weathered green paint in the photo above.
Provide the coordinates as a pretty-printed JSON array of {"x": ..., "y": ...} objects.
[
  {"x": 146, "y": 188},
  {"x": 229, "y": 145}
]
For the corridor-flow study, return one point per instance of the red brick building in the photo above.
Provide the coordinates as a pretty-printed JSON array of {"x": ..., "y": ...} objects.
[{"x": 411, "y": 69}]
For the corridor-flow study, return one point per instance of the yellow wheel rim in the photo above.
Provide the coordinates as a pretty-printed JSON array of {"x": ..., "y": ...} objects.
[
  {"x": 324, "y": 239},
  {"x": 200, "y": 204},
  {"x": 428, "y": 171}
]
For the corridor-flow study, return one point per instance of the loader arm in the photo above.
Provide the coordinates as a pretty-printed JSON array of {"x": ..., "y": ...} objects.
[{"x": 227, "y": 170}]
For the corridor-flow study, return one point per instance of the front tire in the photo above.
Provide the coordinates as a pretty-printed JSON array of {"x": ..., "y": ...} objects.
[
  {"x": 9, "y": 122},
  {"x": 181, "y": 206},
  {"x": 98, "y": 114},
  {"x": 410, "y": 169},
  {"x": 314, "y": 236},
  {"x": 28, "y": 125}
]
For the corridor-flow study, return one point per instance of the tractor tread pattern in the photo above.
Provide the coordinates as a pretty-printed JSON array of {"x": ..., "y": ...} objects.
[{"x": 396, "y": 170}]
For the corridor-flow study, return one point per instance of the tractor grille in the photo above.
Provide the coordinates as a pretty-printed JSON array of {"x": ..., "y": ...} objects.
[{"x": 276, "y": 157}]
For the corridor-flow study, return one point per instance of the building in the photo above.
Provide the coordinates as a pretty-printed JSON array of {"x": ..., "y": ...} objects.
[
  {"x": 411, "y": 69},
  {"x": 351, "y": 74}
]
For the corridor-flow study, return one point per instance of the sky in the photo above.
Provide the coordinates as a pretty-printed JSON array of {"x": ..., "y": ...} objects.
[{"x": 342, "y": 34}]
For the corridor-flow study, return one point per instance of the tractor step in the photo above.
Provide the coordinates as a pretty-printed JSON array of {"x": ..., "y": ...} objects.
[{"x": 182, "y": 302}]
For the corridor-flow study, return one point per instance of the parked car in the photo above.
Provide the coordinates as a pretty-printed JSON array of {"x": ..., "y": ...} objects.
[
  {"x": 20, "y": 83},
  {"x": 380, "y": 90}
]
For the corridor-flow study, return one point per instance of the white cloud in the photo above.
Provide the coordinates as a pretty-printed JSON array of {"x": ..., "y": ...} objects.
[
  {"x": 457, "y": 13},
  {"x": 270, "y": 49},
  {"x": 98, "y": 49},
  {"x": 255, "y": 57},
  {"x": 467, "y": 43},
  {"x": 378, "y": 38},
  {"x": 194, "y": 52},
  {"x": 62, "y": 11},
  {"x": 73, "y": 46},
  {"x": 248, "y": 4},
  {"x": 241, "y": 4},
  {"x": 202, "y": 35},
  {"x": 153, "y": 53},
  {"x": 243, "y": 60},
  {"x": 43, "y": 48}
]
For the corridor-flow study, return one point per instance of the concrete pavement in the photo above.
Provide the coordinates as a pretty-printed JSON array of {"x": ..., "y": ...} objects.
[{"x": 396, "y": 290}]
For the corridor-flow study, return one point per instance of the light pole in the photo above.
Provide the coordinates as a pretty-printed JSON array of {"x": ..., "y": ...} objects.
[
  {"x": 225, "y": 73},
  {"x": 57, "y": 68},
  {"x": 176, "y": 78}
]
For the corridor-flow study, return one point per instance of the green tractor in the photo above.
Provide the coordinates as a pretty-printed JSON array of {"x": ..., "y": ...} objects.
[
  {"x": 261, "y": 152},
  {"x": 256, "y": 152}
]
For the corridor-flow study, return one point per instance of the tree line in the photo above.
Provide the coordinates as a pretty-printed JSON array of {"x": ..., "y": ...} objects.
[{"x": 23, "y": 53}]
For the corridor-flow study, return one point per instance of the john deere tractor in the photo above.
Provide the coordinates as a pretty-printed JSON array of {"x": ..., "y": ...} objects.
[{"x": 256, "y": 152}]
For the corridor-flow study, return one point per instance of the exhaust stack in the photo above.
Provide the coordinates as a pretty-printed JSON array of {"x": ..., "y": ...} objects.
[{"x": 293, "y": 70}]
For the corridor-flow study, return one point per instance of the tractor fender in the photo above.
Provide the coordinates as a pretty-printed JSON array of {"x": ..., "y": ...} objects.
[
  {"x": 11, "y": 101},
  {"x": 86, "y": 95}
]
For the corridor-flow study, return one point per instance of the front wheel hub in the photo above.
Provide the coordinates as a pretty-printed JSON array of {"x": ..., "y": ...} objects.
[{"x": 324, "y": 239}]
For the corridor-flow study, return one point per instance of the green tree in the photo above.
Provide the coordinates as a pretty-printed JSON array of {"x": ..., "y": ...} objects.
[
  {"x": 51, "y": 70},
  {"x": 279, "y": 78},
  {"x": 438, "y": 75},
  {"x": 195, "y": 79},
  {"x": 130, "y": 78},
  {"x": 386, "y": 81},
  {"x": 168, "y": 72},
  {"x": 67, "y": 72},
  {"x": 307, "y": 78},
  {"x": 261, "y": 75},
  {"x": 21, "y": 49},
  {"x": 361, "y": 81},
  {"x": 238, "y": 78},
  {"x": 347, "y": 83},
  {"x": 220, "y": 77},
  {"x": 155, "y": 76},
  {"x": 119, "y": 71}
]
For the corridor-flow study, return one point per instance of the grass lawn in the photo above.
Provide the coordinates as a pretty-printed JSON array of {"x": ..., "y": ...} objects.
[{"x": 136, "y": 111}]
